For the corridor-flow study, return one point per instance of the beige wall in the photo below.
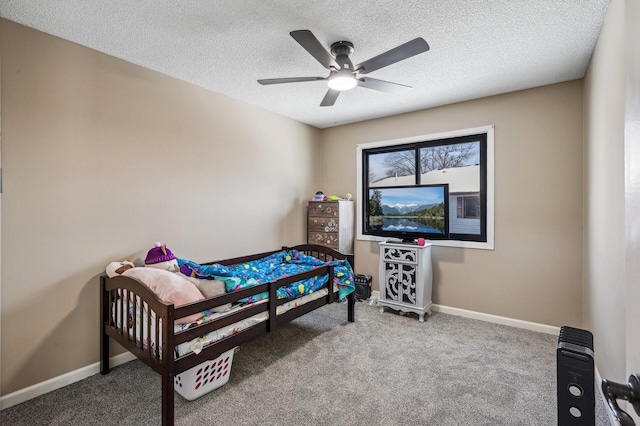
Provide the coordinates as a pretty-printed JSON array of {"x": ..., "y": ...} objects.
[
  {"x": 101, "y": 159},
  {"x": 535, "y": 271},
  {"x": 604, "y": 256}
]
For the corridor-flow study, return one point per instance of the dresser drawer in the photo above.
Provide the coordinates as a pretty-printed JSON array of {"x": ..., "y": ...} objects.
[
  {"x": 323, "y": 238},
  {"x": 323, "y": 224},
  {"x": 324, "y": 209},
  {"x": 401, "y": 255}
]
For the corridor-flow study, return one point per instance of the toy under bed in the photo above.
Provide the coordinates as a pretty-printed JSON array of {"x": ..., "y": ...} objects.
[{"x": 196, "y": 356}]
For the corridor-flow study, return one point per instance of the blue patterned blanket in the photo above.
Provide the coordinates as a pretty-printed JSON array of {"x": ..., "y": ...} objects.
[{"x": 273, "y": 267}]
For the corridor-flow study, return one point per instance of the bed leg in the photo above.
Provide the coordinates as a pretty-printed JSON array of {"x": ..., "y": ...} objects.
[
  {"x": 104, "y": 338},
  {"x": 104, "y": 352},
  {"x": 167, "y": 400},
  {"x": 351, "y": 300}
]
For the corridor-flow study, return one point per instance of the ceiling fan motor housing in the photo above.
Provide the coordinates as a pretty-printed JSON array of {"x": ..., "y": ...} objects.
[{"x": 341, "y": 51}]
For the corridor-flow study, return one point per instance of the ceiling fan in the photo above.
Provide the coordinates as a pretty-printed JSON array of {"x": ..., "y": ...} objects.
[{"x": 342, "y": 74}]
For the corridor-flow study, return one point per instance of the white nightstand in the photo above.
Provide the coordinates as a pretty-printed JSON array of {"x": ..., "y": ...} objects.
[{"x": 405, "y": 278}]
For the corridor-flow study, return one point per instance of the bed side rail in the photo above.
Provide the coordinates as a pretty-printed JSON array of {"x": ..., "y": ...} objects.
[
  {"x": 203, "y": 305},
  {"x": 233, "y": 296}
]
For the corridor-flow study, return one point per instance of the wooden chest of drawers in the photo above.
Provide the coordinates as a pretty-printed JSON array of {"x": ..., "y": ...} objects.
[{"x": 330, "y": 223}]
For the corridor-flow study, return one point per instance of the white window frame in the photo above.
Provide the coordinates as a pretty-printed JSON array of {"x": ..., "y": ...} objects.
[{"x": 489, "y": 130}]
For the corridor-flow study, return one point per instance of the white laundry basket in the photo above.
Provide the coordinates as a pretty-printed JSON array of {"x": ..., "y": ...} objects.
[{"x": 205, "y": 377}]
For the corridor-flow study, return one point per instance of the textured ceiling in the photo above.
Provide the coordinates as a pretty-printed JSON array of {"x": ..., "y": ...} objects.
[{"x": 478, "y": 47}]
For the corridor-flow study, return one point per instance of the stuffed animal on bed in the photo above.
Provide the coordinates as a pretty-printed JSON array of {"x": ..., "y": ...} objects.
[
  {"x": 162, "y": 258},
  {"x": 118, "y": 268}
]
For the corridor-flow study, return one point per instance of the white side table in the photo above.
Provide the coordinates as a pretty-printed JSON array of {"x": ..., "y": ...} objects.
[{"x": 405, "y": 278}]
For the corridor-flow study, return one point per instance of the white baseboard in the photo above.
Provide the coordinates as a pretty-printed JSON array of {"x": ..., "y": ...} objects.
[
  {"x": 54, "y": 383},
  {"x": 543, "y": 328},
  {"x": 527, "y": 325}
]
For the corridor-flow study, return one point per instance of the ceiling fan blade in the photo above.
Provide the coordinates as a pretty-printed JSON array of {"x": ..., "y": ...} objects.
[
  {"x": 311, "y": 44},
  {"x": 397, "y": 54},
  {"x": 383, "y": 86},
  {"x": 330, "y": 98},
  {"x": 289, "y": 80}
]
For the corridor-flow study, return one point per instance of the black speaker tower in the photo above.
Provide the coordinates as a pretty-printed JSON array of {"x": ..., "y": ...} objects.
[{"x": 576, "y": 381}]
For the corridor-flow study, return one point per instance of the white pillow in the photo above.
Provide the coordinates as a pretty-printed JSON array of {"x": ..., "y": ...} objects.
[{"x": 209, "y": 288}]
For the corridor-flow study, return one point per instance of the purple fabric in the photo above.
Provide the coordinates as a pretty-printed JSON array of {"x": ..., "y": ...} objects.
[{"x": 160, "y": 253}]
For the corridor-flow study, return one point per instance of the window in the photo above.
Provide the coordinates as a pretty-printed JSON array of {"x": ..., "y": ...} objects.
[
  {"x": 468, "y": 207},
  {"x": 461, "y": 161}
]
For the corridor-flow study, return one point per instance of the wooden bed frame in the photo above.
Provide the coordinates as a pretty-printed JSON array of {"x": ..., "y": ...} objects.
[{"x": 163, "y": 361}]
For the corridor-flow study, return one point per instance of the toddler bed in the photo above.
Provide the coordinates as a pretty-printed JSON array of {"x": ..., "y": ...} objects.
[{"x": 273, "y": 289}]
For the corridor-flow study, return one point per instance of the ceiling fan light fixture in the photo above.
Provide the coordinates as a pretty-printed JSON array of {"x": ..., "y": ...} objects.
[{"x": 342, "y": 82}]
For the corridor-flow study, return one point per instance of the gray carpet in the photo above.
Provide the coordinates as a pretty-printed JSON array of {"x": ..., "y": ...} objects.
[{"x": 384, "y": 369}]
